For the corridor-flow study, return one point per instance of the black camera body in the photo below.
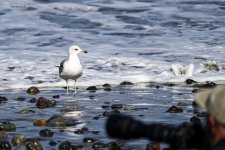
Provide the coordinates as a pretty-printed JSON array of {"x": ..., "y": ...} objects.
[{"x": 181, "y": 137}]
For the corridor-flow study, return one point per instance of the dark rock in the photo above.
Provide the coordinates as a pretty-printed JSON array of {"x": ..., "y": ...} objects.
[
  {"x": 182, "y": 104},
  {"x": 174, "y": 109},
  {"x": 52, "y": 143},
  {"x": 57, "y": 121},
  {"x": 65, "y": 145},
  {"x": 96, "y": 117},
  {"x": 33, "y": 90},
  {"x": 126, "y": 83},
  {"x": 98, "y": 145},
  {"x": 3, "y": 99},
  {"x": 45, "y": 103},
  {"x": 7, "y": 126},
  {"x": 33, "y": 100},
  {"x": 96, "y": 132},
  {"x": 190, "y": 81},
  {"x": 202, "y": 114},
  {"x": 206, "y": 85},
  {"x": 85, "y": 129},
  {"x": 79, "y": 131},
  {"x": 153, "y": 146},
  {"x": 91, "y": 96},
  {"x": 88, "y": 140},
  {"x": 29, "y": 77},
  {"x": 116, "y": 106},
  {"x": 55, "y": 96},
  {"x": 169, "y": 84},
  {"x": 157, "y": 86},
  {"x": 3, "y": 135},
  {"x": 18, "y": 140},
  {"x": 105, "y": 106},
  {"x": 105, "y": 114},
  {"x": 11, "y": 68},
  {"x": 107, "y": 89},
  {"x": 46, "y": 133},
  {"x": 21, "y": 98},
  {"x": 34, "y": 145},
  {"x": 106, "y": 85},
  {"x": 107, "y": 103},
  {"x": 195, "y": 119},
  {"x": 195, "y": 90},
  {"x": 5, "y": 145},
  {"x": 113, "y": 146},
  {"x": 92, "y": 88}
]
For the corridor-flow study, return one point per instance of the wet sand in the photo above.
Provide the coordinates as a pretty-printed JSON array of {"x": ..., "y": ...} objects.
[{"x": 89, "y": 110}]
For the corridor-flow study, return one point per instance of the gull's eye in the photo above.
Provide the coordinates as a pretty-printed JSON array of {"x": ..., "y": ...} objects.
[{"x": 76, "y": 49}]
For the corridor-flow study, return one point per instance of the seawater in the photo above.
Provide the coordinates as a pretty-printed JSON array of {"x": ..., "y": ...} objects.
[{"x": 127, "y": 40}]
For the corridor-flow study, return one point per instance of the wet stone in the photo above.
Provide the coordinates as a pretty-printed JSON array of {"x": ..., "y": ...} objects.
[
  {"x": 96, "y": 117},
  {"x": 33, "y": 90},
  {"x": 33, "y": 100},
  {"x": 174, "y": 109},
  {"x": 5, "y": 145},
  {"x": 24, "y": 111},
  {"x": 34, "y": 145},
  {"x": 88, "y": 140},
  {"x": 3, "y": 135},
  {"x": 190, "y": 81},
  {"x": 18, "y": 140},
  {"x": 65, "y": 145},
  {"x": 195, "y": 119},
  {"x": 95, "y": 132},
  {"x": 126, "y": 83},
  {"x": 52, "y": 143},
  {"x": 107, "y": 89},
  {"x": 79, "y": 131},
  {"x": 106, "y": 85},
  {"x": 46, "y": 133},
  {"x": 92, "y": 88},
  {"x": 3, "y": 99},
  {"x": 7, "y": 126},
  {"x": 105, "y": 106},
  {"x": 55, "y": 96},
  {"x": 116, "y": 106},
  {"x": 105, "y": 114},
  {"x": 153, "y": 146},
  {"x": 57, "y": 121},
  {"x": 45, "y": 103},
  {"x": 98, "y": 145},
  {"x": 113, "y": 146},
  {"x": 206, "y": 85},
  {"x": 21, "y": 98}
]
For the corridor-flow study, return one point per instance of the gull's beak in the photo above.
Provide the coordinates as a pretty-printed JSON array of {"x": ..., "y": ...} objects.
[{"x": 83, "y": 51}]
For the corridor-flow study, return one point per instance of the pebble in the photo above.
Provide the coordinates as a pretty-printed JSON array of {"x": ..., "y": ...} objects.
[
  {"x": 46, "y": 133},
  {"x": 7, "y": 126},
  {"x": 107, "y": 89},
  {"x": 105, "y": 114},
  {"x": 98, "y": 145},
  {"x": 174, "y": 109},
  {"x": 3, "y": 99},
  {"x": 88, "y": 140},
  {"x": 3, "y": 135},
  {"x": 21, "y": 98},
  {"x": 126, "y": 83},
  {"x": 113, "y": 146},
  {"x": 95, "y": 132},
  {"x": 45, "y": 103},
  {"x": 33, "y": 90},
  {"x": 190, "y": 81},
  {"x": 153, "y": 146},
  {"x": 105, "y": 106},
  {"x": 96, "y": 117},
  {"x": 52, "y": 143},
  {"x": 18, "y": 140},
  {"x": 55, "y": 96},
  {"x": 116, "y": 106},
  {"x": 65, "y": 146},
  {"x": 92, "y": 88},
  {"x": 57, "y": 121},
  {"x": 33, "y": 100},
  {"x": 34, "y": 145},
  {"x": 5, "y": 145},
  {"x": 106, "y": 85}
]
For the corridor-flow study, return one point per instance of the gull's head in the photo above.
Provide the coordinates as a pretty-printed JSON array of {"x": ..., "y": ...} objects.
[{"x": 74, "y": 49}]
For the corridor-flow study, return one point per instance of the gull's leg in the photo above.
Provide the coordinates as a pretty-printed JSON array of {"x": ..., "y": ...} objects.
[
  {"x": 67, "y": 87},
  {"x": 75, "y": 87}
]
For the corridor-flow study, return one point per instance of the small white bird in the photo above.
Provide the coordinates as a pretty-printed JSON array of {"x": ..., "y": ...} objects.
[{"x": 71, "y": 68}]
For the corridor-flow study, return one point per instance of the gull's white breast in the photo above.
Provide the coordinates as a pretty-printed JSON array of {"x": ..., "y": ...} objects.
[{"x": 71, "y": 70}]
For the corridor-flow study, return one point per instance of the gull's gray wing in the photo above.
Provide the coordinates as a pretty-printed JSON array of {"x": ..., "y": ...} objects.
[{"x": 61, "y": 66}]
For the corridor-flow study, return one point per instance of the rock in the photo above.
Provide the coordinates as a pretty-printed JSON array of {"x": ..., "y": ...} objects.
[
  {"x": 116, "y": 106},
  {"x": 98, "y": 145},
  {"x": 24, "y": 111},
  {"x": 106, "y": 85},
  {"x": 190, "y": 81},
  {"x": 95, "y": 132},
  {"x": 182, "y": 104},
  {"x": 88, "y": 140},
  {"x": 107, "y": 89},
  {"x": 206, "y": 85},
  {"x": 202, "y": 114},
  {"x": 157, "y": 86},
  {"x": 79, "y": 131},
  {"x": 92, "y": 88},
  {"x": 33, "y": 90},
  {"x": 96, "y": 117},
  {"x": 3, "y": 99},
  {"x": 85, "y": 129},
  {"x": 34, "y": 145},
  {"x": 29, "y": 77},
  {"x": 153, "y": 146},
  {"x": 46, "y": 133},
  {"x": 57, "y": 121},
  {"x": 195, "y": 119},
  {"x": 5, "y": 145},
  {"x": 65, "y": 146},
  {"x": 55, "y": 96},
  {"x": 3, "y": 135},
  {"x": 41, "y": 122},
  {"x": 126, "y": 83},
  {"x": 113, "y": 146},
  {"x": 212, "y": 66},
  {"x": 195, "y": 90},
  {"x": 169, "y": 84},
  {"x": 33, "y": 100},
  {"x": 7, "y": 126},
  {"x": 52, "y": 143},
  {"x": 105, "y": 114},
  {"x": 105, "y": 106},
  {"x": 45, "y": 103},
  {"x": 21, "y": 98},
  {"x": 174, "y": 109},
  {"x": 18, "y": 140}
]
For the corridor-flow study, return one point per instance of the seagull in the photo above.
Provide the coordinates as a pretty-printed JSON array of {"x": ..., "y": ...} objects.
[{"x": 71, "y": 68}]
